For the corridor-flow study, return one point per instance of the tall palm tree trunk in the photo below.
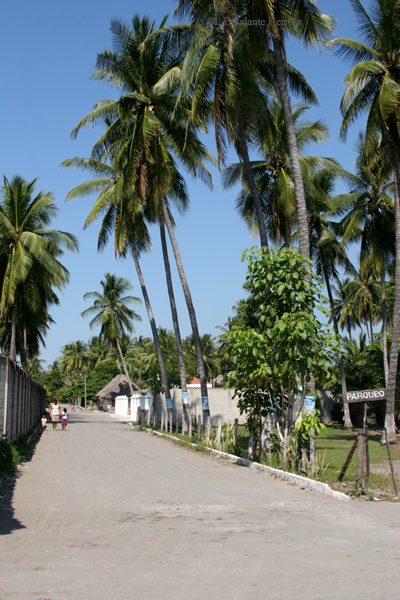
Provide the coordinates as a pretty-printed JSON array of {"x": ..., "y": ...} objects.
[
  {"x": 163, "y": 370},
  {"x": 13, "y": 338},
  {"x": 24, "y": 353},
  {"x": 384, "y": 327},
  {"x": 252, "y": 184},
  {"x": 192, "y": 314},
  {"x": 174, "y": 313},
  {"x": 394, "y": 350},
  {"x": 304, "y": 237},
  {"x": 347, "y": 419},
  {"x": 124, "y": 367}
]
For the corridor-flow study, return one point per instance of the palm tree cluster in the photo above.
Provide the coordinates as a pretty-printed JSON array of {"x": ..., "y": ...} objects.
[
  {"x": 179, "y": 80},
  {"x": 172, "y": 84},
  {"x": 30, "y": 269},
  {"x": 98, "y": 360}
]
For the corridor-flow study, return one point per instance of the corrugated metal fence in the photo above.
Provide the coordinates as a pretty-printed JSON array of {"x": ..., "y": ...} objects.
[{"x": 22, "y": 400}]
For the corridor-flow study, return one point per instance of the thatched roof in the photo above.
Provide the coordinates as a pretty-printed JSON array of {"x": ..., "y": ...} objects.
[{"x": 119, "y": 386}]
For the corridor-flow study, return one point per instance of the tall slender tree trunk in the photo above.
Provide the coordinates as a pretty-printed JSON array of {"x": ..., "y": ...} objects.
[
  {"x": 13, "y": 338},
  {"x": 347, "y": 419},
  {"x": 384, "y": 327},
  {"x": 24, "y": 353},
  {"x": 252, "y": 184},
  {"x": 174, "y": 313},
  {"x": 394, "y": 350},
  {"x": 304, "y": 237},
  {"x": 163, "y": 370},
  {"x": 192, "y": 314},
  {"x": 124, "y": 367}
]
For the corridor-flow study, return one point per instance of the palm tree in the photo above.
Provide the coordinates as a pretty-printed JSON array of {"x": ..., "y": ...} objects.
[
  {"x": 74, "y": 357},
  {"x": 373, "y": 87},
  {"x": 130, "y": 232},
  {"x": 273, "y": 174},
  {"x": 110, "y": 310},
  {"x": 344, "y": 307},
  {"x": 227, "y": 65},
  {"x": 326, "y": 250},
  {"x": 26, "y": 243},
  {"x": 365, "y": 294},
  {"x": 146, "y": 127},
  {"x": 371, "y": 217}
]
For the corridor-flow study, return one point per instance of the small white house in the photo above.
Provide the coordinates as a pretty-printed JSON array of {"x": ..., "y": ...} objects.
[{"x": 128, "y": 407}]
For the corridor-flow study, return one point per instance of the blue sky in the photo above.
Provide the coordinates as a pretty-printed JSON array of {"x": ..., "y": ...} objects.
[{"x": 49, "y": 51}]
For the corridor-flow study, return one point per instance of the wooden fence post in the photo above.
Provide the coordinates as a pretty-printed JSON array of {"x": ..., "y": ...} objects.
[
  {"x": 208, "y": 427},
  {"x": 219, "y": 433},
  {"x": 391, "y": 464},
  {"x": 235, "y": 431},
  {"x": 264, "y": 438},
  {"x": 190, "y": 425},
  {"x": 312, "y": 449},
  {"x": 250, "y": 451},
  {"x": 198, "y": 427},
  {"x": 360, "y": 459},
  {"x": 347, "y": 461},
  {"x": 170, "y": 421},
  {"x": 162, "y": 421},
  {"x": 138, "y": 415}
]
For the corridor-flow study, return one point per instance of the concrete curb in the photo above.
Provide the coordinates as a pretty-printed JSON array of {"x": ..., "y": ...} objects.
[{"x": 304, "y": 482}]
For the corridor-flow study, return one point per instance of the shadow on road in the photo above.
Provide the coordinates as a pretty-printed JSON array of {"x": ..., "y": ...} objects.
[{"x": 8, "y": 523}]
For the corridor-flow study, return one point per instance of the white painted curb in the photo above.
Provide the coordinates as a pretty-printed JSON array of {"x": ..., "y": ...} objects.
[{"x": 310, "y": 484}]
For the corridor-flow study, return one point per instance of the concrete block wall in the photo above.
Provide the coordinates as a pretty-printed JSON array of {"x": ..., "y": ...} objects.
[
  {"x": 22, "y": 400},
  {"x": 222, "y": 404}
]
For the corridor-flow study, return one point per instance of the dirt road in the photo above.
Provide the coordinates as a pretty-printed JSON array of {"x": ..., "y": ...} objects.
[{"x": 112, "y": 513}]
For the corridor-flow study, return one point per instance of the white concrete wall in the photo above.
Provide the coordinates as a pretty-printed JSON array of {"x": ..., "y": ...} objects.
[{"x": 223, "y": 405}]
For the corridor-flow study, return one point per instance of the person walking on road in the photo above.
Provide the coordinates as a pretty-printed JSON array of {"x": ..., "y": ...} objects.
[
  {"x": 64, "y": 419},
  {"x": 55, "y": 413}
]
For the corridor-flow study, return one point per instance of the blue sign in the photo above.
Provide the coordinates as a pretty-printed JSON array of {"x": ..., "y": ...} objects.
[
  {"x": 169, "y": 404},
  {"x": 185, "y": 398},
  {"x": 309, "y": 404},
  {"x": 204, "y": 402}
]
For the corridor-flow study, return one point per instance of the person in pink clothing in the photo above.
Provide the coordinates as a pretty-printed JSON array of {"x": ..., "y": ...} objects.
[{"x": 64, "y": 419}]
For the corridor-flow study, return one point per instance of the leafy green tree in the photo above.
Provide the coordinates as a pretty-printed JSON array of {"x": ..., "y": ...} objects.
[
  {"x": 111, "y": 312},
  {"x": 279, "y": 342}
]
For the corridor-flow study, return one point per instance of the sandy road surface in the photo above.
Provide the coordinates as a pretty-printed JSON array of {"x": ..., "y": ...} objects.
[{"x": 107, "y": 512}]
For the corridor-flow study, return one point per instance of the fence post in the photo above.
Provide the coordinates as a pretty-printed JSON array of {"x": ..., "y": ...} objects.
[
  {"x": 264, "y": 438},
  {"x": 312, "y": 449},
  {"x": 360, "y": 459},
  {"x": 219, "y": 433},
  {"x": 250, "y": 451},
  {"x": 208, "y": 426},
  {"x": 235, "y": 431},
  {"x": 190, "y": 425},
  {"x": 198, "y": 427},
  {"x": 391, "y": 464},
  {"x": 170, "y": 421}
]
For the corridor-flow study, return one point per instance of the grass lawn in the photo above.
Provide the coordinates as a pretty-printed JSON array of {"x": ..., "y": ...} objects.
[
  {"x": 335, "y": 443},
  {"x": 333, "y": 446}
]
